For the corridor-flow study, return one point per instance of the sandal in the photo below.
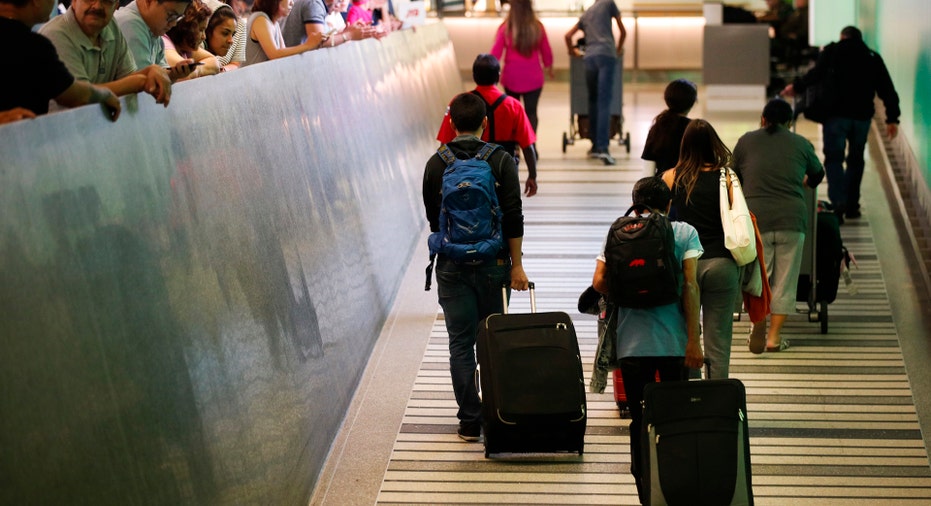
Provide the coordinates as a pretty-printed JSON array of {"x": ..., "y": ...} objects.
[
  {"x": 784, "y": 345},
  {"x": 757, "y": 340}
]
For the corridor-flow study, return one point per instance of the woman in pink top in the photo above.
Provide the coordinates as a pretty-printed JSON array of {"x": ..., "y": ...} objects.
[{"x": 522, "y": 41}]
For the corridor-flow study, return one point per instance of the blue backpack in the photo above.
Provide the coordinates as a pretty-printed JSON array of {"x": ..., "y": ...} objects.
[{"x": 470, "y": 217}]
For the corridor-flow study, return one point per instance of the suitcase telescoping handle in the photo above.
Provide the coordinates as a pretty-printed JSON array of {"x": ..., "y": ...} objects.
[{"x": 504, "y": 297}]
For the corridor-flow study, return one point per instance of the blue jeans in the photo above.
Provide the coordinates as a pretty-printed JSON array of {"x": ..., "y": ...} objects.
[
  {"x": 719, "y": 283},
  {"x": 838, "y": 134},
  {"x": 468, "y": 294},
  {"x": 599, "y": 78}
]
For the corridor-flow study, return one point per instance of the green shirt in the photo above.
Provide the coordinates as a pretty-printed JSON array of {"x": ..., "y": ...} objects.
[
  {"x": 147, "y": 48},
  {"x": 108, "y": 62}
]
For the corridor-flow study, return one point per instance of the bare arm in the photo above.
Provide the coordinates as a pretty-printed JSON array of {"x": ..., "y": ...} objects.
[
  {"x": 82, "y": 93},
  {"x": 530, "y": 158},
  {"x": 600, "y": 278},
  {"x": 669, "y": 177},
  {"x": 519, "y": 279},
  {"x": 153, "y": 80},
  {"x": 573, "y": 51},
  {"x": 209, "y": 64},
  {"x": 620, "y": 42},
  {"x": 262, "y": 32},
  {"x": 691, "y": 306},
  {"x": 15, "y": 114}
]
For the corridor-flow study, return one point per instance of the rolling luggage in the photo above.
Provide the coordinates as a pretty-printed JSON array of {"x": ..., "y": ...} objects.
[
  {"x": 823, "y": 254},
  {"x": 696, "y": 446},
  {"x": 620, "y": 395},
  {"x": 530, "y": 373}
]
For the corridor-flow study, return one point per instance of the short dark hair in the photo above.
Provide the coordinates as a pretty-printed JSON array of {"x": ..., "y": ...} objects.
[
  {"x": 652, "y": 192},
  {"x": 15, "y": 3},
  {"x": 680, "y": 96},
  {"x": 466, "y": 112},
  {"x": 851, "y": 32},
  {"x": 486, "y": 70},
  {"x": 777, "y": 112}
]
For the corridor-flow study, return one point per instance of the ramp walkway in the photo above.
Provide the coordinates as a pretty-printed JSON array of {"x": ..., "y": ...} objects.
[{"x": 834, "y": 420}]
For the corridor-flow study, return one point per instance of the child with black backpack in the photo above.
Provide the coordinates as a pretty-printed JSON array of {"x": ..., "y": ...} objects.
[{"x": 658, "y": 323}]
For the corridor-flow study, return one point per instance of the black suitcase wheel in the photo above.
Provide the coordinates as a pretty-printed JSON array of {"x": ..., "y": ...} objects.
[
  {"x": 624, "y": 409},
  {"x": 813, "y": 315},
  {"x": 565, "y": 141},
  {"x": 627, "y": 142},
  {"x": 824, "y": 318}
]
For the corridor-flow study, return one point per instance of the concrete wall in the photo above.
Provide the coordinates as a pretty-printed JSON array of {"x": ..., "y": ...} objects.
[{"x": 189, "y": 296}]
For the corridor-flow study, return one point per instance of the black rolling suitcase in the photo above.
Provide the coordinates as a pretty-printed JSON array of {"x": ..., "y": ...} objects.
[
  {"x": 533, "y": 392},
  {"x": 696, "y": 446},
  {"x": 822, "y": 261}
]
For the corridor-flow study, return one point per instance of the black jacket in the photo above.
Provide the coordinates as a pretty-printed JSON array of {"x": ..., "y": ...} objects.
[
  {"x": 860, "y": 75},
  {"x": 507, "y": 186}
]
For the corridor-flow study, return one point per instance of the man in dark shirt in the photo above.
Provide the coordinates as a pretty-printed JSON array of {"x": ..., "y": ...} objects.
[
  {"x": 470, "y": 292},
  {"x": 858, "y": 74},
  {"x": 36, "y": 73}
]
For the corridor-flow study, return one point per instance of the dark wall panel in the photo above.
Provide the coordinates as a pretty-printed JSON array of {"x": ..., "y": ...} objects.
[{"x": 188, "y": 296}]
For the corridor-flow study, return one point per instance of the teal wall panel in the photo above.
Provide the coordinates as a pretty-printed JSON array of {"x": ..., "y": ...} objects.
[{"x": 901, "y": 33}]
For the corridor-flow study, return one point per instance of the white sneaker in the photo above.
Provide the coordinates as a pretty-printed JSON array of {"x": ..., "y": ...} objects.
[{"x": 607, "y": 158}]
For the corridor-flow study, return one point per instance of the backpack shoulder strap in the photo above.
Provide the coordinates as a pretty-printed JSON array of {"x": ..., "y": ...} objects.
[
  {"x": 446, "y": 154},
  {"x": 498, "y": 101},
  {"x": 486, "y": 151},
  {"x": 490, "y": 112},
  {"x": 639, "y": 209}
]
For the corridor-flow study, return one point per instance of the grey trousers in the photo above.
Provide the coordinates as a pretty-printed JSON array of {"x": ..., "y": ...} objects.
[{"x": 719, "y": 282}]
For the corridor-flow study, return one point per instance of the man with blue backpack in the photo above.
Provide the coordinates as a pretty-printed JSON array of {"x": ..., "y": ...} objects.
[{"x": 472, "y": 197}]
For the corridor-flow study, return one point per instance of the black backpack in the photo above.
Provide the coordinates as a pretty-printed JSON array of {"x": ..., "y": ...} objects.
[
  {"x": 509, "y": 146},
  {"x": 640, "y": 256}
]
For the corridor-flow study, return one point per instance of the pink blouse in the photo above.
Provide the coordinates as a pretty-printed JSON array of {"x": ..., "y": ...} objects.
[{"x": 519, "y": 73}]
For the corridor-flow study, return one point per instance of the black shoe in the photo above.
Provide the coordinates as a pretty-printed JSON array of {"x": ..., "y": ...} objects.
[
  {"x": 470, "y": 432},
  {"x": 852, "y": 215}
]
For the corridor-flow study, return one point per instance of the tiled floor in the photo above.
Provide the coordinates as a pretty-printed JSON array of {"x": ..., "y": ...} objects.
[{"x": 832, "y": 419}]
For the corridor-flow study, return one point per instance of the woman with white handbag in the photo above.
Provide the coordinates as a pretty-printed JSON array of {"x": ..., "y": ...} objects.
[
  {"x": 775, "y": 165},
  {"x": 695, "y": 184}
]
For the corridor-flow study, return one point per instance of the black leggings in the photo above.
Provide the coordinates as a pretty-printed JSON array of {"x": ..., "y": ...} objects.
[
  {"x": 637, "y": 372},
  {"x": 531, "y": 99}
]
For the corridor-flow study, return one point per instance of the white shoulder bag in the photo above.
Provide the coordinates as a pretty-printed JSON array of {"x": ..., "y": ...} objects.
[{"x": 739, "y": 236}]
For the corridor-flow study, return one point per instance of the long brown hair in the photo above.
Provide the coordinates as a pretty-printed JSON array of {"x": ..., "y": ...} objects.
[
  {"x": 701, "y": 147},
  {"x": 184, "y": 35},
  {"x": 523, "y": 27}
]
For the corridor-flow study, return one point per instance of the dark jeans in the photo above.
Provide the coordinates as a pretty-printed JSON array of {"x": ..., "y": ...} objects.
[
  {"x": 468, "y": 294},
  {"x": 637, "y": 372},
  {"x": 599, "y": 79},
  {"x": 838, "y": 134},
  {"x": 531, "y": 100}
]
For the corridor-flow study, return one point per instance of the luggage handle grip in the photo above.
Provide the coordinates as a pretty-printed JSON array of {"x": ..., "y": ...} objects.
[{"x": 504, "y": 297}]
